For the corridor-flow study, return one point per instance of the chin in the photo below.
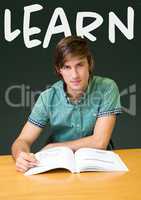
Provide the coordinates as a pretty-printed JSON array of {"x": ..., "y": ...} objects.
[{"x": 77, "y": 88}]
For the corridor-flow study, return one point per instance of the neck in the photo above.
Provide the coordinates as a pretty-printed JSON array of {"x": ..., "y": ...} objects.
[{"x": 74, "y": 95}]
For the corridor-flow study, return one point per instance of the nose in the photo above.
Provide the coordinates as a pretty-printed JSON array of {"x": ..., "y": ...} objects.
[{"x": 74, "y": 73}]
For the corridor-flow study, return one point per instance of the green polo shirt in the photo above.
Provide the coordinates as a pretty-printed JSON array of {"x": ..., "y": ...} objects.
[{"x": 73, "y": 120}]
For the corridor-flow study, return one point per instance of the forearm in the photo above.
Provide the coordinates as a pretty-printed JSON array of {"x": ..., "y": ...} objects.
[
  {"x": 89, "y": 141},
  {"x": 19, "y": 146}
]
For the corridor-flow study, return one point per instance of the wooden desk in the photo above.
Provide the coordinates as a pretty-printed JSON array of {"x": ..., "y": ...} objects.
[{"x": 63, "y": 185}]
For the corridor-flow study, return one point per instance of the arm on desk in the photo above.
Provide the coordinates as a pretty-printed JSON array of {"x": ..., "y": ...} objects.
[
  {"x": 100, "y": 138},
  {"x": 21, "y": 147}
]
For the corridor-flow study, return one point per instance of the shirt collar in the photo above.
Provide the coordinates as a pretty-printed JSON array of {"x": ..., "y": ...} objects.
[{"x": 82, "y": 97}]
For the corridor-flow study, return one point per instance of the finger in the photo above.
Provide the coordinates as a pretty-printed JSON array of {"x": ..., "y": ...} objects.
[
  {"x": 33, "y": 161},
  {"x": 21, "y": 168},
  {"x": 28, "y": 157},
  {"x": 33, "y": 157},
  {"x": 32, "y": 165},
  {"x": 21, "y": 161},
  {"x": 24, "y": 163}
]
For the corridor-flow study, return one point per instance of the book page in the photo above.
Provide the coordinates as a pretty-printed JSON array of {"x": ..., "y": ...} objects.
[
  {"x": 52, "y": 158},
  {"x": 88, "y": 159}
]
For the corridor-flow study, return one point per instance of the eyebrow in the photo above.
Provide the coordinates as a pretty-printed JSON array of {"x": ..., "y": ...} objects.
[{"x": 80, "y": 61}]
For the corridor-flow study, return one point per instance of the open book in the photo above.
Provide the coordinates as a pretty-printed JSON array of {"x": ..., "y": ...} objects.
[{"x": 84, "y": 159}]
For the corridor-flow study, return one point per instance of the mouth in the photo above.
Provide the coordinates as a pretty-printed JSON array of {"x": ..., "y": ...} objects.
[{"x": 76, "y": 82}]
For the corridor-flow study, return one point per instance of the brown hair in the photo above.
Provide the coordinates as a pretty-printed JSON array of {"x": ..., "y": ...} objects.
[{"x": 74, "y": 45}]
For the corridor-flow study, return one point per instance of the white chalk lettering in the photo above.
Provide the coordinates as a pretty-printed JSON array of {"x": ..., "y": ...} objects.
[
  {"x": 53, "y": 28},
  {"x": 27, "y": 31},
  {"x": 85, "y": 31},
  {"x": 9, "y": 35},
  {"x": 115, "y": 21}
]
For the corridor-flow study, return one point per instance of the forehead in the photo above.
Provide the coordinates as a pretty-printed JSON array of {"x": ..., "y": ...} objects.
[{"x": 71, "y": 58}]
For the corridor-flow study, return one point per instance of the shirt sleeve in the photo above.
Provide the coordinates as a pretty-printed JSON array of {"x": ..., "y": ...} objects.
[
  {"x": 110, "y": 102},
  {"x": 39, "y": 115}
]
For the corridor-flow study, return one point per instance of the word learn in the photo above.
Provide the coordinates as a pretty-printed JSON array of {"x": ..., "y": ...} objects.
[{"x": 63, "y": 27}]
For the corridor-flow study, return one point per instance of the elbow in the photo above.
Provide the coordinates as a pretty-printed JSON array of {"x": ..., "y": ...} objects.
[
  {"x": 98, "y": 144},
  {"x": 101, "y": 146}
]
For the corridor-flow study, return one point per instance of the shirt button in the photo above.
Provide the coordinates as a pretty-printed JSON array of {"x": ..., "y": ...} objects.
[{"x": 72, "y": 125}]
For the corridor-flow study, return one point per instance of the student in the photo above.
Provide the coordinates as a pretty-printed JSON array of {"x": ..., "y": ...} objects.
[{"x": 81, "y": 108}]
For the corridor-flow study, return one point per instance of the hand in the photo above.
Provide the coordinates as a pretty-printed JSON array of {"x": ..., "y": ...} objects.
[{"x": 25, "y": 161}]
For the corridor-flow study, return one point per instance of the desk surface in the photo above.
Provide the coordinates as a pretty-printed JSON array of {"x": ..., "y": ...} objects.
[{"x": 63, "y": 185}]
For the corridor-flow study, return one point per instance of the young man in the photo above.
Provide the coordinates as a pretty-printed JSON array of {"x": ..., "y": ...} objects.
[{"x": 81, "y": 108}]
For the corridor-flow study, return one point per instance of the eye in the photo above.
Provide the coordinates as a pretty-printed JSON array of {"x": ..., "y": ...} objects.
[
  {"x": 66, "y": 67},
  {"x": 80, "y": 64}
]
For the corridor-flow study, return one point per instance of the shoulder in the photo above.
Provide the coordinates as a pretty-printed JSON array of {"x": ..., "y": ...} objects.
[
  {"x": 103, "y": 83},
  {"x": 51, "y": 91}
]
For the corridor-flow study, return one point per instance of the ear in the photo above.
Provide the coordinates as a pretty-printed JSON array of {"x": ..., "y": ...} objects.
[{"x": 58, "y": 72}]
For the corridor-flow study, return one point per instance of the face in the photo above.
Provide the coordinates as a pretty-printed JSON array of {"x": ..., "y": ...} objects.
[{"x": 75, "y": 73}]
